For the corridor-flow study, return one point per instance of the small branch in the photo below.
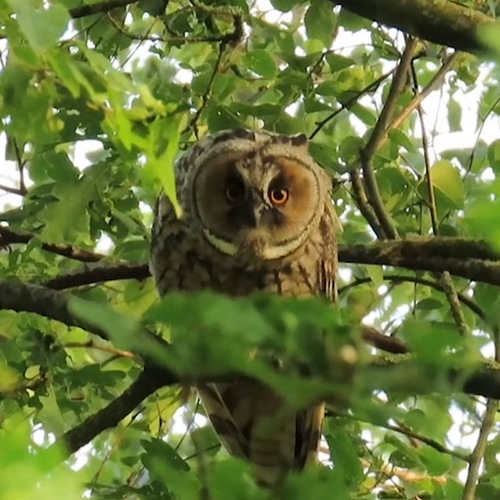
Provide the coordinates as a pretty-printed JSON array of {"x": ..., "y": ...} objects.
[
  {"x": 383, "y": 342},
  {"x": 206, "y": 96},
  {"x": 389, "y": 471},
  {"x": 231, "y": 37},
  {"x": 446, "y": 282},
  {"x": 373, "y": 86},
  {"x": 22, "y": 297},
  {"x": 477, "y": 456},
  {"x": 396, "y": 278},
  {"x": 414, "y": 435},
  {"x": 9, "y": 237},
  {"x": 412, "y": 255},
  {"x": 365, "y": 208},
  {"x": 445, "y": 279},
  {"x": 90, "y": 344},
  {"x": 32, "y": 384},
  {"x": 417, "y": 100},
  {"x": 99, "y": 275},
  {"x": 379, "y": 131},
  {"x": 397, "y": 87},
  {"x": 19, "y": 191}
]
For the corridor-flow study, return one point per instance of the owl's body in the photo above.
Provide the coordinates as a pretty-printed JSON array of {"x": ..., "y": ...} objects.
[{"x": 257, "y": 216}]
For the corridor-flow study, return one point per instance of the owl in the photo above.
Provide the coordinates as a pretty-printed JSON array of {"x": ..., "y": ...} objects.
[{"x": 256, "y": 216}]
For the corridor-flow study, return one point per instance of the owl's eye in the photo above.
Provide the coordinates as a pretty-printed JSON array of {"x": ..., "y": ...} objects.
[
  {"x": 278, "y": 196},
  {"x": 235, "y": 190}
]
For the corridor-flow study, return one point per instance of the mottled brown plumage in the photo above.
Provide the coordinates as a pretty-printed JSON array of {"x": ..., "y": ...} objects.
[{"x": 257, "y": 216}]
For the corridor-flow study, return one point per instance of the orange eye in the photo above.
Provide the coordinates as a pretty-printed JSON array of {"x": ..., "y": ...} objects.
[{"x": 278, "y": 196}]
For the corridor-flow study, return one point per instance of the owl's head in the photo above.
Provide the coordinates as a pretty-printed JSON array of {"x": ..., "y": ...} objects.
[{"x": 254, "y": 194}]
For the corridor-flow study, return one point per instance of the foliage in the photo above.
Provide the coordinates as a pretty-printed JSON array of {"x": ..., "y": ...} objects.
[{"x": 96, "y": 103}]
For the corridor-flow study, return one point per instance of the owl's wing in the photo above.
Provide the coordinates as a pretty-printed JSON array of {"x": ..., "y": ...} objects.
[{"x": 254, "y": 423}]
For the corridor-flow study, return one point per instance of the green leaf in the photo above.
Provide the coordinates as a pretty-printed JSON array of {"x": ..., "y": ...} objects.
[
  {"x": 55, "y": 165},
  {"x": 161, "y": 159},
  {"x": 494, "y": 155},
  {"x": 119, "y": 328},
  {"x": 284, "y": 5},
  {"x": 320, "y": 22},
  {"x": 343, "y": 452},
  {"x": 436, "y": 463},
  {"x": 19, "y": 458},
  {"x": 68, "y": 219},
  {"x": 43, "y": 27},
  {"x": 159, "y": 452},
  {"x": 261, "y": 62},
  {"x": 448, "y": 185},
  {"x": 402, "y": 139}
]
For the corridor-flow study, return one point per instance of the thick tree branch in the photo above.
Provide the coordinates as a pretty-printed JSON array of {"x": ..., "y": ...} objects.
[
  {"x": 146, "y": 384},
  {"x": 471, "y": 259},
  {"x": 23, "y": 297},
  {"x": 439, "y": 21},
  {"x": 98, "y": 8}
]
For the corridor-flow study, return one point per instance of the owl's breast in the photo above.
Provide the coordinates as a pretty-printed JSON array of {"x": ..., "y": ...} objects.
[{"x": 181, "y": 262}]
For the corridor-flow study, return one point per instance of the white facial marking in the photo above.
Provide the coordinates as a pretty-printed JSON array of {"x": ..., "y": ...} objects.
[
  {"x": 265, "y": 253},
  {"x": 222, "y": 245}
]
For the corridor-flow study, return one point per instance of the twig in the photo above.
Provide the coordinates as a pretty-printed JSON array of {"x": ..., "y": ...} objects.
[
  {"x": 383, "y": 342},
  {"x": 365, "y": 208},
  {"x": 90, "y": 344},
  {"x": 31, "y": 383},
  {"x": 396, "y": 278},
  {"x": 409, "y": 476},
  {"x": 417, "y": 100},
  {"x": 370, "y": 87},
  {"x": 206, "y": 96},
  {"x": 411, "y": 434},
  {"x": 477, "y": 455},
  {"x": 19, "y": 191},
  {"x": 445, "y": 278},
  {"x": 223, "y": 37}
]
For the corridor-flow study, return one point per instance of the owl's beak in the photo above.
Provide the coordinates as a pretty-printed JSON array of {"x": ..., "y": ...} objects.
[
  {"x": 252, "y": 213},
  {"x": 257, "y": 212}
]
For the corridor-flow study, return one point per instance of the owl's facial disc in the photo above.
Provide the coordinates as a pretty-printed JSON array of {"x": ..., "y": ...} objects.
[{"x": 257, "y": 207}]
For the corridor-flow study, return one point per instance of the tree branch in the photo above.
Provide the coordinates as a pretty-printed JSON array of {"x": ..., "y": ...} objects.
[
  {"x": 378, "y": 133},
  {"x": 99, "y": 274},
  {"x": 468, "y": 258},
  {"x": 477, "y": 455},
  {"x": 146, "y": 384},
  {"x": 98, "y": 8},
  {"x": 439, "y": 21},
  {"x": 485, "y": 381},
  {"x": 9, "y": 237}
]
